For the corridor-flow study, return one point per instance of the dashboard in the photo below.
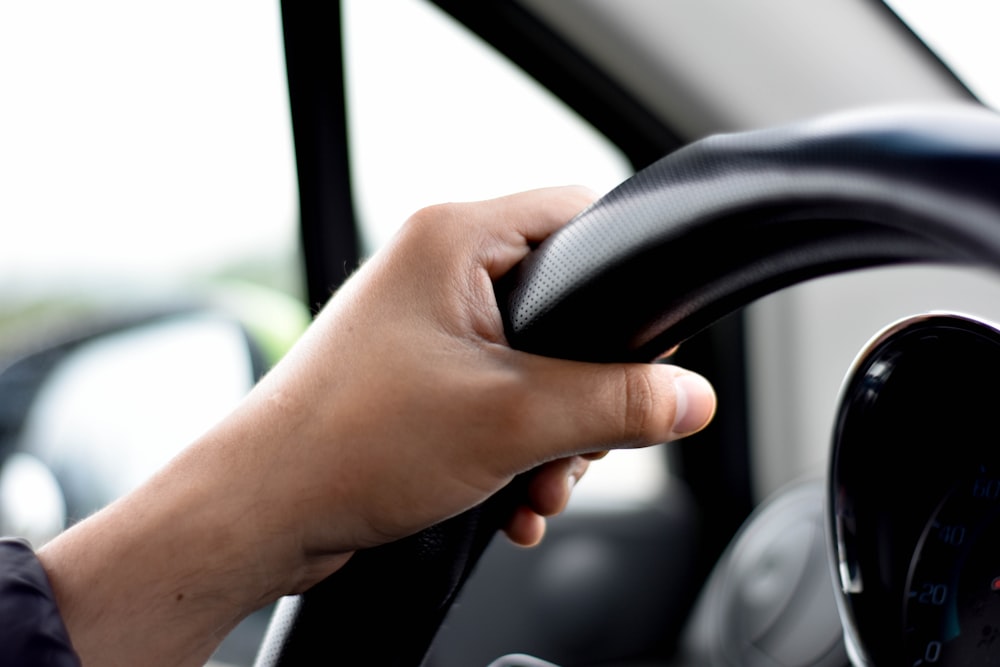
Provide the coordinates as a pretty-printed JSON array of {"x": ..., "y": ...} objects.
[
  {"x": 915, "y": 496},
  {"x": 892, "y": 558}
]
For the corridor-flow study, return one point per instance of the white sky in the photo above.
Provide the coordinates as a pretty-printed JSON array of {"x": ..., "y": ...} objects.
[
  {"x": 134, "y": 138},
  {"x": 129, "y": 129},
  {"x": 964, "y": 34},
  {"x": 166, "y": 146},
  {"x": 453, "y": 122},
  {"x": 137, "y": 141}
]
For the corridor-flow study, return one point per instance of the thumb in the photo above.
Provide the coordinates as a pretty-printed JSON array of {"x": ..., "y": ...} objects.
[{"x": 586, "y": 407}]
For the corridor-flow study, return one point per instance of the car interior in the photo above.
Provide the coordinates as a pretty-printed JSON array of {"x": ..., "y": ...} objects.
[{"x": 799, "y": 196}]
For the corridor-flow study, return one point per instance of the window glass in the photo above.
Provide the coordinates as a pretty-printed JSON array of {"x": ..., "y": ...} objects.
[
  {"x": 436, "y": 115},
  {"x": 146, "y": 166},
  {"x": 963, "y": 34},
  {"x": 146, "y": 146}
]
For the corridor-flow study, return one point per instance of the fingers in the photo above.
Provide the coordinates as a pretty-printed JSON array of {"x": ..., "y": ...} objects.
[
  {"x": 548, "y": 493},
  {"x": 577, "y": 408},
  {"x": 476, "y": 412},
  {"x": 552, "y": 484},
  {"x": 669, "y": 353},
  {"x": 695, "y": 405},
  {"x": 526, "y": 219},
  {"x": 636, "y": 405},
  {"x": 525, "y": 528},
  {"x": 627, "y": 405}
]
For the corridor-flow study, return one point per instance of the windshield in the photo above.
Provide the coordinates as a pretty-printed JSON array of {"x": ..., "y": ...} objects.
[{"x": 962, "y": 33}]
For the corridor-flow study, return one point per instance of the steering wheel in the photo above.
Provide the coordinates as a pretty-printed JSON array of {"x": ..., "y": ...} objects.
[{"x": 719, "y": 223}]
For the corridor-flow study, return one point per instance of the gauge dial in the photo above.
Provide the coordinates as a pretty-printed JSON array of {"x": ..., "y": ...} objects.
[
  {"x": 952, "y": 597},
  {"x": 915, "y": 497}
]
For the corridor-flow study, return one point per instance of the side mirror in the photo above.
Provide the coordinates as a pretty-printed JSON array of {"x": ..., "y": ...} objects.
[{"x": 98, "y": 415}]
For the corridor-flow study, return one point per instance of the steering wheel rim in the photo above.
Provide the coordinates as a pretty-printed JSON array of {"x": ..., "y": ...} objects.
[{"x": 760, "y": 210}]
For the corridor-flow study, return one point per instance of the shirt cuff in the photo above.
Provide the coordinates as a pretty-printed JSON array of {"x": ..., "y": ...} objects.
[{"x": 32, "y": 631}]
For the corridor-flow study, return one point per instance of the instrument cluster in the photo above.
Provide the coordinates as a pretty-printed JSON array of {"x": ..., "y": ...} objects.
[{"x": 914, "y": 505}]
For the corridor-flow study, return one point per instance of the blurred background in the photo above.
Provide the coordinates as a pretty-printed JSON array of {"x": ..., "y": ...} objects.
[{"x": 150, "y": 262}]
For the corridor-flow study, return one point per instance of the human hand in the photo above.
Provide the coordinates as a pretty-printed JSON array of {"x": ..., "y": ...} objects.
[
  {"x": 401, "y": 406},
  {"x": 414, "y": 408}
]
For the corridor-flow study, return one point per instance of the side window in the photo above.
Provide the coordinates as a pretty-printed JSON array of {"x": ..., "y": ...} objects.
[
  {"x": 147, "y": 172},
  {"x": 460, "y": 122},
  {"x": 149, "y": 256},
  {"x": 453, "y": 122},
  {"x": 147, "y": 152}
]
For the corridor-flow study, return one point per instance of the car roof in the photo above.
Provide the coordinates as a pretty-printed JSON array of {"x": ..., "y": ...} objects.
[{"x": 820, "y": 56}]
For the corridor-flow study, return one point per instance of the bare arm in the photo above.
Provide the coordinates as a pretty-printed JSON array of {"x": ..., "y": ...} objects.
[{"x": 404, "y": 383}]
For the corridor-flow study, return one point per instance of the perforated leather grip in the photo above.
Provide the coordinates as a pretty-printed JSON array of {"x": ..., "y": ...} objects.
[
  {"x": 731, "y": 218},
  {"x": 691, "y": 238}
]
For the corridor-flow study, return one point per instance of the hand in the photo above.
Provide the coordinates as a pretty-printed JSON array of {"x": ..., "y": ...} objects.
[
  {"x": 418, "y": 408},
  {"x": 400, "y": 407}
]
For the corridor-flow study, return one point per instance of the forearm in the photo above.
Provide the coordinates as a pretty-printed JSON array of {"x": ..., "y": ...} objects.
[
  {"x": 401, "y": 407},
  {"x": 160, "y": 577}
]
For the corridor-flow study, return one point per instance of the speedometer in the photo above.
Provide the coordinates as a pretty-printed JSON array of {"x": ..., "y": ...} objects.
[
  {"x": 952, "y": 597},
  {"x": 914, "y": 505}
]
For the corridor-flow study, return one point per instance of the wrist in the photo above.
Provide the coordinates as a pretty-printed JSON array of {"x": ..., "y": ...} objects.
[{"x": 166, "y": 572}]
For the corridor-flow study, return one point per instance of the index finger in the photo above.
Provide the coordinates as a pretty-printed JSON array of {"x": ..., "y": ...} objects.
[{"x": 521, "y": 221}]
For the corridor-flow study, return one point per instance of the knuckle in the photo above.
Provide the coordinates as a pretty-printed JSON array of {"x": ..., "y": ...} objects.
[
  {"x": 426, "y": 218},
  {"x": 639, "y": 405}
]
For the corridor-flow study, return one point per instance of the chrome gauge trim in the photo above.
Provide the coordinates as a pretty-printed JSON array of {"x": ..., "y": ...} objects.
[{"x": 895, "y": 466}]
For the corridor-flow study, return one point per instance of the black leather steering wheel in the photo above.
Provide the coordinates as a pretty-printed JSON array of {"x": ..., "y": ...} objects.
[{"x": 698, "y": 234}]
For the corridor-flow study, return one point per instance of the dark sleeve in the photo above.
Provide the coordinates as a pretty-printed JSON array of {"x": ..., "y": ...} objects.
[{"x": 31, "y": 630}]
